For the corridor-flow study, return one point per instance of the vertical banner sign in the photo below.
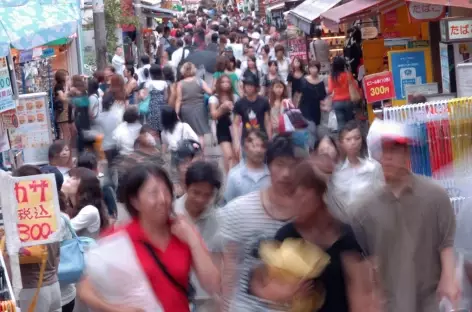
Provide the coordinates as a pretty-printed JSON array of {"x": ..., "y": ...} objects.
[
  {"x": 6, "y": 98},
  {"x": 445, "y": 71},
  {"x": 379, "y": 87},
  {"x": 37, "y": 209},
  {"x": 408, "y": 68},
  {"x": 297, "y": 48}
]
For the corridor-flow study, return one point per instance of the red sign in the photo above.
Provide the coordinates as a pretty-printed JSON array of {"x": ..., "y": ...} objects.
[
  {"x": 379, "y": 87},
  {"x": 297, "y": 48},
  {"x": 390, "y": 18},
  {"x": 391, "y": 34},
  {"x": 422, "y": 12}
]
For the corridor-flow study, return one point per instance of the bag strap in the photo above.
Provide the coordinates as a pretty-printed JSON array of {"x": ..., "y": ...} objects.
[
  {"x": 69, "y": 226},
  {"x": 164, "y": 270},
  {"x": 32, "y": 306}
]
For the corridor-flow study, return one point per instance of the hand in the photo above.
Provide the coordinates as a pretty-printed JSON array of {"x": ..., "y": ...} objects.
[
  {"x": 449, "y": 287},
  {"x": 284, "y": 292},
  {"x": 228, "y": 105},
  {"x": 125, "y": 309},
  {"x": 184, "y": 229}
]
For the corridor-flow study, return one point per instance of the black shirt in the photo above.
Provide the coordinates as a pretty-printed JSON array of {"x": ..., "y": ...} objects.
[
  {"x": 252, "y": 113},
  {"x": 312, "y": 95},
  {"x": 332, "y": 278},
  {"x": 296, "y": 83}
]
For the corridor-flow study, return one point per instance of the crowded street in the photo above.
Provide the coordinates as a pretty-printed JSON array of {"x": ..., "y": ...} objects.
[{"x": 235, "y": 156}]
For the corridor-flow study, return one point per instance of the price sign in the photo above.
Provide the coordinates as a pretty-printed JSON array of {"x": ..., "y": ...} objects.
[
  {"x": 38, "y": 211},
  {"x": 379, "y": 87},
  {"x": 6, "y": 99}
]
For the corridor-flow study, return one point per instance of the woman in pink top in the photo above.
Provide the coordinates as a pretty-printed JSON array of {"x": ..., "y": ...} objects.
[{"x": 338, "y": 87}]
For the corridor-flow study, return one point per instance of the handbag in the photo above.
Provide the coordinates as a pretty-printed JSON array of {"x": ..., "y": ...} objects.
[
  {"x": 144, "y": 106},
  {"x": 72, "y": 257},
  {"x": 188, "y": 291},
  {"x": 354, "y": 94}
]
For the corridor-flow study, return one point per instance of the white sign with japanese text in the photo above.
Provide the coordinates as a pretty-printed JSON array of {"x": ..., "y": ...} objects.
[
  {"x": 6, "y": 98},
  {"x": 425, "y": 12},
  {"x": 459, "y": 30}
]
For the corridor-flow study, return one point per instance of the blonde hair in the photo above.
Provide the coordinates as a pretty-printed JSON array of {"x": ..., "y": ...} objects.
[{"x": 188, "y": 70}]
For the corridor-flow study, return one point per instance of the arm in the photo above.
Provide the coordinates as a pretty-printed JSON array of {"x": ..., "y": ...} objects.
[
  {"x": 86, "y": 292},
  {"x": 216, "y": 110},
  {"x": 268, "y": 124},
  {"x": 85, "y": 218},
  {"x": 178, "y": 98},
  {"x": 173, "y": 95},
  {"x": 207, "y": 272},
  {"x": 330, "y": 86},
  {"x": 206, "y": 88},
  {"x": 237, "y": 133}
]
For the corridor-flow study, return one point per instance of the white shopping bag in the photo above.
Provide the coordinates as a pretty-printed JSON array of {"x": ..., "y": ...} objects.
[
  {"x": 332, "y": 121},
  {"x": 114, "y": 270}
]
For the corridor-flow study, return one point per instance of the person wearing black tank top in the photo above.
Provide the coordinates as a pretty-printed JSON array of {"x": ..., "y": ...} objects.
[{"x": 346, "y": 281}]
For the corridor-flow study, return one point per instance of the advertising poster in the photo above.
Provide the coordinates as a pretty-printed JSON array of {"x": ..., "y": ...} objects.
[
  {"x": 33, "y": 134},
  {"x": 464, "y": 80},
  {"x": 6, "y": 93},
  {"x": 445, "y": 72},
  {"x": 379, "y": 87},
  {"x": 408, "y": 68},
  {"x": 38, "y": 212},
  {"x": 297, "y": 48},
  {"x": 424, "y": 89}
]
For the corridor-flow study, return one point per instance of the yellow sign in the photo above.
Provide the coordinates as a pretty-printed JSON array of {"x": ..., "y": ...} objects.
[{"x": 37, "y": 209}]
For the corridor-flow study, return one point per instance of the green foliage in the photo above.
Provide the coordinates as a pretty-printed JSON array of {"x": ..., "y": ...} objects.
[{"x": 113, "y": 19}]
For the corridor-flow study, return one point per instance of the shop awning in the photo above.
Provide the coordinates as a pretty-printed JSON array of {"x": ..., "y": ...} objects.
[
  {"x": 357, "y": 9},
  {"x": 157, "y": 11},
  {"x": 34, "y": 24},
  {"x": 453, "y": 3},
  {"x": 304, "y": 14},
  {"x": 277, "y": 6}
]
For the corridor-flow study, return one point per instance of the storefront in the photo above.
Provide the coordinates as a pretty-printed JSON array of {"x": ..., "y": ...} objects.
[
  {"x": 307, "y": 12},
  {"x": 275, "y": 10}
]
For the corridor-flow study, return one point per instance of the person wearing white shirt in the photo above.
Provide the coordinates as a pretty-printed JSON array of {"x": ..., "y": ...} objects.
[
  {"x": 127, "y": 132},
  {"x": 181, "y": 53},
  {"x": 174, "y": 131},
  {"x": 251, "y": 52},
  {"x": 256, "y": 42},
  {"x": 118, "y": 61},
  {"x": 141, "y": 72}
]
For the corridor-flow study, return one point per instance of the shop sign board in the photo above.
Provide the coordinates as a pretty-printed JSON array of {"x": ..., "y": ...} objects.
[
  {"x": 391, "y": 18},
  {"x": 34, "y": 206},
  {"x": 423, "y": 12},
  {"x": 464, "y": 80},
  {"x": 456, "y": 29},
  {"x": 379, "y": 87},
  {"x": 423, "y": 89},
  {"x": 408, "y": 68},
  {"x": 369, "y": 32},
  {"x": 6, "y": 93},
  {"x": 297, "y": 48}
]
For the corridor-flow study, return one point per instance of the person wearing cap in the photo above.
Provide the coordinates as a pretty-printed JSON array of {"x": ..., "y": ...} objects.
[
  {"x": 250, "y": 111},
  {"x": 408, "y": 228},
  {"x": 256, "y": 42}
]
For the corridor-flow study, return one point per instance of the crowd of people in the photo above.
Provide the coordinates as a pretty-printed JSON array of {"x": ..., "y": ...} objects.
[{"x": 178, "y": 232}]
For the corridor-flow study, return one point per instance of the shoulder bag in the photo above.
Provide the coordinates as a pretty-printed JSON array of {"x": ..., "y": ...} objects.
[
  {"x": 353, "y": 90},
  {"x": 188, "y": 291},
  {"x": 72, "y": 256}
]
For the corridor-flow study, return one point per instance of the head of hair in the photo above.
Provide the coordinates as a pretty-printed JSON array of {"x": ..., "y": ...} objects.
[
  {"x": 214, "y": 27},
  {"x": 136, "y": 177},
  {"x": 130, "y": 69},
  {"x": 279, "y": 48},
  {"x": 131, "y": 114},
  {"x": 203, "y": 172},
  {"x": 57, "y": 174},
  {"x": 110, "y": 68},
  {"x": 316, "y": 64},
  {"x": 156, "y": 72},
  {"x": 89, "y": 192},
  {"x": 351, "y": 126},
  {"x": 187, "y": 149},
  {"x": 318, "y": 32},
  {"x": 331, "y": 140},
  {"x": 188, "y": 40},
  {"x": 339, "y": 67},
  {"x": 168, "y": 74},
  {"x": 293, "y": 67},
  {"x": 26, "y": 170},
  {"x": 169, "y": 118},
  {"x": 99, "y": 75},
  {"x": 306, "y": 176},
  {"x": 93, "y": 86},
  {"x": 87, "y": 160},
  {"x": 180, "y": 43},
  {"x": 418, "y": 98},
  {"x": 60, "y": 77},
  {"x": 281, "y": 145},
  {"x": 107, "y": 101},
  {"x": 266, "y": 49},
  {"x": 166, "y": 29},
  {"x": 145, "y": 59},
  {"x": 214, "y": 38},
  {"x": 63, "y": 201},
  {"x": 117, "y": 88},
  {"x": 78, "y": 82},
  {"x": 188, "y": 70},
  {"x": 272, "y": 63},
  {"x": 251, "y": 133},
  {"x": 218, "y": 91},
  {"x": 55, "y": 149},
  {"x": 272, "y": 96},
  {"x": 220, "y": 64}
]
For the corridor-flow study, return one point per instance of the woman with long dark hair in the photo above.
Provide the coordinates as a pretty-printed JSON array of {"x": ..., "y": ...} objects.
[
  {"x": 118, "y": 91},
  {"x": 174, "y": 131},
  {"x": 155, "y": 242},
  {"x": 159, "y": 93},
  {"x": 84, "y": 192},
  {"x": 131, "y": 84},
  {"x": 338, "y": 86},
  {"x": 294, "y": 79},
  {"x": 221, "y": 106},
  {"x": 270, "y": 77}
]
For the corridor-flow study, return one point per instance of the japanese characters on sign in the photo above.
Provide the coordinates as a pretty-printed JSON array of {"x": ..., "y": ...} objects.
[
  {"x": 6, "y": 94},
  {"x": 297, "y": 48},
  {"x": 379, "y": 87},
  {"x": 421, "y": 12},
  {"x": 38, "y": 212},
  {"x": 459, "y": 29}
]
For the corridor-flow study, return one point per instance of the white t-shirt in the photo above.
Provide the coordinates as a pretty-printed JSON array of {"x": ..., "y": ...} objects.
[
  {"x": 182, "y": 131},
  {"x": 158, "y": 85},
  {"x": 140, "y": 72},
  {"x": 177, "y": 56},
  {"x": 87, "y": 222},
  {"x": 125, "y": 136},
  {"x": 119, "y": 64}
]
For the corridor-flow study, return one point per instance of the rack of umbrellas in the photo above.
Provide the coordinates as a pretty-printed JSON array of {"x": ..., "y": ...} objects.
[{"x": 443, "y": 146}]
